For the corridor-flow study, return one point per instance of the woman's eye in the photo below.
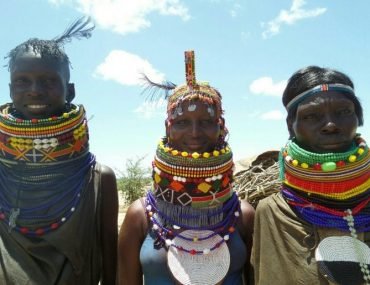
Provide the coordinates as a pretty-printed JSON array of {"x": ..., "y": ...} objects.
[
  {"x": 206, "y": 123},
  {"x": 181, "y": 123},
  {"x": 49, "y": 82},
  {"x": 20, "y": 82},
  {"x": 345, "y": 112},
  {"x": 309, "y": 117}
]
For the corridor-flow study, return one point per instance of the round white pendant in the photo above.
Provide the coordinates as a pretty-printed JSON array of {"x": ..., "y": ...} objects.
[{"x": 198, "y": 269}]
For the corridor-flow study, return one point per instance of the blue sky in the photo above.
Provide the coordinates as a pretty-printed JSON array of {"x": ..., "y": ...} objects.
[{"x": 246, "y": 49}]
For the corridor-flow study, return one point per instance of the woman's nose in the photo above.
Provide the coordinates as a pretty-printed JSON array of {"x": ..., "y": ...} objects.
[
  {"x": 35, "y": 88},
  {"x": 330, "y": 127},
  {"x": 195, "y": 131}
]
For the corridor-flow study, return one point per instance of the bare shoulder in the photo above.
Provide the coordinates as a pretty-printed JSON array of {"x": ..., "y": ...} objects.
[
  {"x": 246, "y": 209},
  {"x": 131, "y": 236},
  {"x": 247, "y": 213},
  {"x": 246, "y": 220},
  {"x": 106, "y": 172},
  {"x": 108, "y": 181},
  {"x": 135, "y": 219}
]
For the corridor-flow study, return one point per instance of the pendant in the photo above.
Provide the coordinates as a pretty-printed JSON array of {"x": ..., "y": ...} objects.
[
  {"x": 198, "y": 261},
  {"x": 13, "y": 215}
]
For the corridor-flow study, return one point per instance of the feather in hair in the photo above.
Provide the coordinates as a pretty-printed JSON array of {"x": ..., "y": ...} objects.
[
  {"x": 79, "y": 29},
  {"x": 156, "y": 90}
]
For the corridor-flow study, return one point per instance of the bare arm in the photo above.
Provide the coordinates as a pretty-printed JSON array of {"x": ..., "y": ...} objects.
[
  {"x": 131, "y": 237},
  {"x": 245, "y": 226},
  {"x": 109, "y": 213}
]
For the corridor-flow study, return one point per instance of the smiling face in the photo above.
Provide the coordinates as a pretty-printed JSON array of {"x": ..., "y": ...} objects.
[
  {"x": 325, "y": 122},
  {"x": 38, "y": 86},
  {"x": 195, "y": 130}
]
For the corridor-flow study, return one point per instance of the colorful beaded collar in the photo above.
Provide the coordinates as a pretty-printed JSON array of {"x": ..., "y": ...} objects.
[
  {"x": 193, "y": 179},
  {"x": 323, "y": 187},
  {"x": 43, "y": 140},
  {"x": 332, "y": 175}
]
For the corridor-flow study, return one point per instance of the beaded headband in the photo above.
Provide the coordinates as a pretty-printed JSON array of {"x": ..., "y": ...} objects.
[{"x": 319, "y": 88}]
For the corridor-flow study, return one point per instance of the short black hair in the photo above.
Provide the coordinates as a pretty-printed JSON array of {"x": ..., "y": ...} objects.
[
  {"x": 48, "y": 49},
  {"x": 53, "y": 49},
  {"x": 311, "y": 76}
]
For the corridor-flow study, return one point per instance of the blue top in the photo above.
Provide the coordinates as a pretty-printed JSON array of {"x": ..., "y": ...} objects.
[{"x": 156, "y": 272}]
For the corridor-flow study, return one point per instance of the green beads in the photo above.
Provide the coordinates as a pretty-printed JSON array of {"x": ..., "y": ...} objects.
[{"x": 328, "y": 166}]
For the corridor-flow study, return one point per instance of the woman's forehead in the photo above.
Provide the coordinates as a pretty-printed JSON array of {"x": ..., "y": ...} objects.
[{"x": 33, "y": 62}]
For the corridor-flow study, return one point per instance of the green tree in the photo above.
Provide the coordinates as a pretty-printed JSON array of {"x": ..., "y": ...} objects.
[{"x": 133, "y": 182}]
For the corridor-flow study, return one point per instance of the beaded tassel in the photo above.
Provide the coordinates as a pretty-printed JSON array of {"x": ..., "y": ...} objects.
[{"x": 351, "y": 225}]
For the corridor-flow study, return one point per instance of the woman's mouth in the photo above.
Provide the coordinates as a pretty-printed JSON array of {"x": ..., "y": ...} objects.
[{"x": 35, "y": 107}]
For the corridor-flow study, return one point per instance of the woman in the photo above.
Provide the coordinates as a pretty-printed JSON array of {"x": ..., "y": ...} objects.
[
  {"x": 58, "y": 207},
  {"x": 190, "y": 228},
  {"x": 315, "y": 231}
]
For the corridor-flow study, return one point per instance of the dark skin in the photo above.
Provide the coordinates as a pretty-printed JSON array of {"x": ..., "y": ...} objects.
[
  {"x": 195, "y": 131},
  {"x": 325, "y": 122},
  {"x": 39, "y": 89}
]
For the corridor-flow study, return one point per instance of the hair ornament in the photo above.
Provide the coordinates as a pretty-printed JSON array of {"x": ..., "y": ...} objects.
[
  {"x": 192, "y": 90},
  {"x": 79, "y": 29},
  {"x": 190, "y": 69}
]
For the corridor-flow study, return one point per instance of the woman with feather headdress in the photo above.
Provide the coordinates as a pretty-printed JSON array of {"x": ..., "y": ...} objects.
[{"x": 191, "y": 227}]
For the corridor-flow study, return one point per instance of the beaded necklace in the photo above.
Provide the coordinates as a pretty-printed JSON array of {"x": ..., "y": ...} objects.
[
  {"x": 321, "y": 194},
  {"x": 179, "y": 179},
  {"x": 45, "y": 165},
  {"x": 200, "y": 181},
  {"x": 331, "y": 190},
  {"x": 166, "y": 228}
]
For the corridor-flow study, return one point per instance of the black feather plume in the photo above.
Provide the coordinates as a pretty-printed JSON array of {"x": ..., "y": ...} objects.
[
  {"x": 156, "y": 90},
  {"x": 81, "y": 28}
]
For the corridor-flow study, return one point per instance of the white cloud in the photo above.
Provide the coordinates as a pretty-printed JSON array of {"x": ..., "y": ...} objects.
[
  {"x": 235, "y": 9},
  {"x": 272, "y": 115},
  {"x": 126, "y": 69},
  {"x": 295, "y": 13},
  {"x": 57, "y": 2},
  {"x": 266, "y": 86},
  {"x": 126, "y": 16},
  {"x": 149, "y": 109}
]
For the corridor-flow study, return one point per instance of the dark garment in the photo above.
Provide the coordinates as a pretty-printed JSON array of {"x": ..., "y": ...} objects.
[{"x": 69, "y": 255}]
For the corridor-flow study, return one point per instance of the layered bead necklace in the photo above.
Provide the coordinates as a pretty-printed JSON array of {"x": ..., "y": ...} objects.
[
  {"x": 332, "y": 190},
  {"x": 192, "y": 191},
  {"x": 321, "y": 187},
  {"x": 45, "y": 165}
]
